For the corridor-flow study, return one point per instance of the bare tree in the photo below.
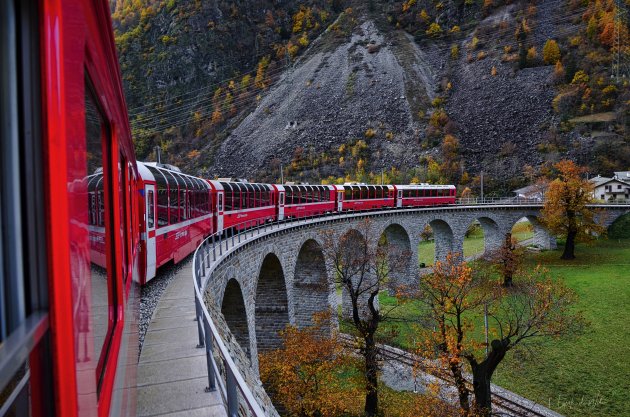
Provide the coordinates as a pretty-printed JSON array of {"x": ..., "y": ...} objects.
[{"x": 362, "y": 266}]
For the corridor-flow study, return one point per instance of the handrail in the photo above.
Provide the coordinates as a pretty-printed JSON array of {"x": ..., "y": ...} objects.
[{"x": 218, "y": 245}]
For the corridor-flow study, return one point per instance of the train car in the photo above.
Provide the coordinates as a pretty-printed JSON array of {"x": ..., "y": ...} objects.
[
  {"x": 176, "y": 213},
  {"x": 303, "y": 200},
  {"x": 239, "y": 204},
  {"x": 419, "y": 195},
  {"x": 357, "y": 197},
  {"x": 69, "y": 236}
]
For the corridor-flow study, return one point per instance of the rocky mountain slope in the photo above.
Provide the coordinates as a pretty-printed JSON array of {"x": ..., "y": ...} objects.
[{"x": 363, "y": 90}]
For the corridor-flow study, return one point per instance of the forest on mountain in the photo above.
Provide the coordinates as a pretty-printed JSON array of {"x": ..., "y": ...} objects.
[{"x": 420, "y": 90}]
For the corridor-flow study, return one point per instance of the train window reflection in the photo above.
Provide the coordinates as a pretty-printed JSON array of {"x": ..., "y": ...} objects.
[{"x": 100, "y": 321}]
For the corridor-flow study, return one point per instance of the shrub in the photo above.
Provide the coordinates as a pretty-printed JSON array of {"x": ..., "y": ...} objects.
[
  {"x": 580, "y": 77},
  {"x": 437, "y": 102},
  {"x": 620, "y": 229},
  {"x": 434, "y": 29},
  {"x": 551, "y": 52},
  {"x": 473, "y": 43},
  {"x": 454, "y": 51},
  {"x": 481, "y": 55},
  {"x": 558, "y": 72},
  {"x": 493, "y": 71},
  {"x": 389, "y": 135},
  {"x": 532, "y": 55},
  {"x": 370, "y": 133}
]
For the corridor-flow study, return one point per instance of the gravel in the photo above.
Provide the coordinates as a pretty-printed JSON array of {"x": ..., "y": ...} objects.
[{"x": 150, "y": 295}]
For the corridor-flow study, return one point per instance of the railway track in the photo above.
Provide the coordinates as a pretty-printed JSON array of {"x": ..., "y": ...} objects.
[{"x": 503, "y": 405}]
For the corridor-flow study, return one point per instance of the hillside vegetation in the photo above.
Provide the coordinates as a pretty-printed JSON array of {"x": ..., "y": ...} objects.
[{"x": 418, "y": 90}]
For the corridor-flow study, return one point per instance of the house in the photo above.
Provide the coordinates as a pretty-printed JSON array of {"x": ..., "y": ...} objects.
[
  {"x": 616, "y": 188},
  {"x": 532, "y": 192}
]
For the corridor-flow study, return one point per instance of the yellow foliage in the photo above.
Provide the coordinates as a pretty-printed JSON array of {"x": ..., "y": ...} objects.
[
  {"x": 551, "y": 52},
  {"x": 580, "y": 77},
  {"x": 493, "y": 71},
  {"x": 454, "y": 51},
  {"x": 434, "y": 29},
  {"x": 303, "y": 40},
  {"x": 532, "y": 54},
  {"x": 370, "y": 133}
]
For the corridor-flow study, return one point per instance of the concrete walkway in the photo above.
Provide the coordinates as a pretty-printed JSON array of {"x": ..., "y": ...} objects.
[{"x": 172, "y": 374}]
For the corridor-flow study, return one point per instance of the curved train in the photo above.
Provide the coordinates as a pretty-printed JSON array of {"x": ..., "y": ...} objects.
[
  {"x": 178, "y": 211},
  {"x": 82, "y": 224}
]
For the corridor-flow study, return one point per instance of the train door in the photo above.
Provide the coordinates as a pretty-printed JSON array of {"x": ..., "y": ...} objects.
[
  {"x": 399, "y": 198},
  {"x": 280, "y": 205},
  {"x": 150, "y": 196},
  {"x": 340, "y": 200},
  {"x": 219, "y": 211}
]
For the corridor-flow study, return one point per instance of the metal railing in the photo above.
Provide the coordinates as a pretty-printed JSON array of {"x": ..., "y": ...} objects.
[{"x": 218, "y": 246}]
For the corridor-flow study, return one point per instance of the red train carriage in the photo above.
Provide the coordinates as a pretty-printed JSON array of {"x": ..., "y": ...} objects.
[
  {"x": 305, "y": 200},
  {"x": 418, "y": 195},
  {"x": 240, "y": 202},
  {"x": 366, "y": 197},
  {"x": 69, "y": 233},
  {"x": 176, "y": 213}
]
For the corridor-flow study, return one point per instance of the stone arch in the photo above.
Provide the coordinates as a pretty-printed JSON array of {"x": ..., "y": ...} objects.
[
  {"x": 311, "y": 286},
  {"x": 443, "y": 237},
  {"x": 542, "y": 238},
  {"x": 492, "y": 236},
  {"x": 397, "y": 236},
  {"x": 272, "y": 312},
  {"x": 351, "y": 242},
  {"x": 233, "y": 309}
]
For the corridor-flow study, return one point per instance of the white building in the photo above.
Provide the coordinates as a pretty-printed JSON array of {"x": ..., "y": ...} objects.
[{"x": 616, "y": 188}]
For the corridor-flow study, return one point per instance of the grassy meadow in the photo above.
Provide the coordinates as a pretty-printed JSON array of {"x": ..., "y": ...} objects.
[{"x": 585, "y": 375}]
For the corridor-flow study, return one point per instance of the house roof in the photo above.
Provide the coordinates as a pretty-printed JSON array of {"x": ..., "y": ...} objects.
[
  {"x": 623, "y": 175},
  {"x": 599, "y": 184},
  {"x": 598, "y": 180}
]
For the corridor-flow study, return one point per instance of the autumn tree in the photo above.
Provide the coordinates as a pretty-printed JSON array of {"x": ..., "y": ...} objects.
[
  {"x": 362, "y": 268},
  {"x": 551, "y": 52},
  {"x": 566, "y": 211},
  {"x": 302, "y": 375},
  {"x": 535, "y": 306},
  {"x": 507, "y": 259}
]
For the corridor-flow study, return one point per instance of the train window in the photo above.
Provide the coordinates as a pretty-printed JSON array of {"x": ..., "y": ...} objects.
[
  {"x": 102, "y": 289},
  {"x": 173, "y": 197},
  {"x": 151, "y": 210},
  {"x": 162, "y": 197},
  {"x": 220, "y": 203}
]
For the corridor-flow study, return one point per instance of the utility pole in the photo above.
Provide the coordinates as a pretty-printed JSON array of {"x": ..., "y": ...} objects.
[
  {"x": 158, "y": 155},
  {"x": 281, "y": 174},
  {"x": 620, "y": 64},
  {"x": 382, "y": 176},
  {"x": 481, "y": 185}
]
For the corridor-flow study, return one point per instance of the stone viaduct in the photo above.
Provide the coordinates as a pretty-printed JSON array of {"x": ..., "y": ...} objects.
[{"x": 282, "y": 277}]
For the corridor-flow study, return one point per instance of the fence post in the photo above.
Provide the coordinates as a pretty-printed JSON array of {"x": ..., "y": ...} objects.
[
  {"x": 232, "y": 393},
  {"x": 199, "y": 313},
  {"x": 212, "y": 383}
]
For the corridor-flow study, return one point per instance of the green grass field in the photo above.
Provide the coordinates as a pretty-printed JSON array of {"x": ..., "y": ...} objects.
[{"x": 587, "y": 375}]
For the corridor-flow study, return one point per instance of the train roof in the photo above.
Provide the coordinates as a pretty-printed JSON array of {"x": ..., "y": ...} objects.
[
  {"x": 281, "y": 187},
  {"x": 424, "y": 186},
  {"x": 239, "y": 186},
  {"x": 149, "y": 171}
]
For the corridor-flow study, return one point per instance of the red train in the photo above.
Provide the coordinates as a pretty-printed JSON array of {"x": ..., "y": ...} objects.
[{"x": 82, "y": 223}]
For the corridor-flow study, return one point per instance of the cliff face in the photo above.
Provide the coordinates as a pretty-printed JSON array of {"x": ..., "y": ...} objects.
[{"x": 333, "y": 90}]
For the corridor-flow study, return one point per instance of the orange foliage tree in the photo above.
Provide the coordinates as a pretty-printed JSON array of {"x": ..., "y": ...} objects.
[
  {"x": 566, "y": 211},
  {"x": 302, "y": 375},
  {"x": 535, "y": 306}
]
